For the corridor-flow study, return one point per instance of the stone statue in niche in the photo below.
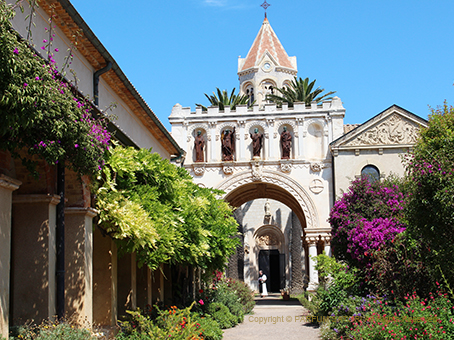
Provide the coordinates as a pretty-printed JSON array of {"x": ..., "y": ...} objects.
[
  {"x": 228, "y": 144},
  {"x": 199, "y": 144},
  {"x": 267, "y": 210},
  {"x": 257, "y": 141},
  {"x": 286, "y": 143}
]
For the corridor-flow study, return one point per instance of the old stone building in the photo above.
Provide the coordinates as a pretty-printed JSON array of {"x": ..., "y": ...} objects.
[
  {"x": 99, "y": 285},
  {"x": 285, "y": 165}
]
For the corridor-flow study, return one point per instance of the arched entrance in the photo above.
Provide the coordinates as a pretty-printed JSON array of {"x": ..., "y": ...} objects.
[
  {"x": 247, "y": 186},
  {"x": 269, "y": 249},
  {"x": 271, "y": 255}
]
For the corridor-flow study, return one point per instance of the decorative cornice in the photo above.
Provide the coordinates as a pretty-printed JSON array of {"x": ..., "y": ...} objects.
[
  {"x": 88, "y": 211},
  {"x": 9, "y": 183}
]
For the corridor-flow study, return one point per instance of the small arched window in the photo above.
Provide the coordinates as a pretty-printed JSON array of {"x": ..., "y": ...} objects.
[{"x": 370, "y": 172}]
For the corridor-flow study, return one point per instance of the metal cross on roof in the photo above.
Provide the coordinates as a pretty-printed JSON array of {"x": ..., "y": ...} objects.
[{"x": 265, "y": 5}]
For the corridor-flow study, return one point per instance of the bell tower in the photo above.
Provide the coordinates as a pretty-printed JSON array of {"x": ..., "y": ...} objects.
[{"x": 266, "y": 66}]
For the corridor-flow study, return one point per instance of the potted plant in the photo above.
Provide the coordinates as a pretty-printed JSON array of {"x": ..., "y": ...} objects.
[{"x": 285, "y": 293}]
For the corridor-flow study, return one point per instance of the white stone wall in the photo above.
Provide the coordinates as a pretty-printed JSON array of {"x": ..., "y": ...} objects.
[
  {"x": 349, "y": 163},
  {"x": 126, "y": 120}
]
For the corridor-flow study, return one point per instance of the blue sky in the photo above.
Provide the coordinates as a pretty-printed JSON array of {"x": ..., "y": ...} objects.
[{"x": 373, "y": 53}]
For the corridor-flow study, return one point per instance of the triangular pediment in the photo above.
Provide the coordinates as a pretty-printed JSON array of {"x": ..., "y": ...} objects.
[{"x": 393, "y": 127}]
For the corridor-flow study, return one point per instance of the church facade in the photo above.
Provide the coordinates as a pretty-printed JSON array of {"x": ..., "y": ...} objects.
[{"x": 283, "y": 167}]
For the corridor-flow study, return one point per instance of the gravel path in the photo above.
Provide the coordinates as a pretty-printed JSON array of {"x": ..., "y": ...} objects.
[{"x": 274, "y": 318}]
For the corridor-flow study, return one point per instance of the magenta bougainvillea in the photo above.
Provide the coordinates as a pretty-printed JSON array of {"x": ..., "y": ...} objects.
[{"x": 366, "y": 216}]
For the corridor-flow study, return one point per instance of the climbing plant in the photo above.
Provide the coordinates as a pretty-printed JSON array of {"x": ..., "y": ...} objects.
[
  {"x": 41, "y": 112},
  {"x": 152, "y": 207}
]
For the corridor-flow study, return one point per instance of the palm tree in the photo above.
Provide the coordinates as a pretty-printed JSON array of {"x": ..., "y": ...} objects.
[
  {"x": 299, "y": 91},
  {"x": 222, "y": 100}
]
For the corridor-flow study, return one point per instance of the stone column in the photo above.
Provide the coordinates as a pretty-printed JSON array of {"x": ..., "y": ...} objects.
[
  {"x": 214, "y": 140},
  {"x": 7, "y": 186},
  {"x": 301, "y": 134},
  {"x": 242, "y": 150},
  {"x": 327, "y": 245},
  {"x": 313, "y": 274},
  {"x": 79, "y": 262},
  {"x": 33, "y": 257},
  {"x": 104, "y": 279},
  {"x": 269, "y": 134}
]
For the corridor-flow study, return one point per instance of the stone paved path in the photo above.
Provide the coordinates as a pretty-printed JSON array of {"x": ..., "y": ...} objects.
[{"x": 274, "y": 318}]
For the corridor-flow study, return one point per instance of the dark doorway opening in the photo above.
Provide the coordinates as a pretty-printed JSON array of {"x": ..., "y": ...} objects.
[{"x": 272, "y": 264}]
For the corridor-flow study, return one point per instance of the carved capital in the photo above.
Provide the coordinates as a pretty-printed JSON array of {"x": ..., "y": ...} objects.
[
  {"x": 312, "y": 240},
  {"x": 326, "y": 240}
]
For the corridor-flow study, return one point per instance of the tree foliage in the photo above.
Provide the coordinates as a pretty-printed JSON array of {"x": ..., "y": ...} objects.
[
  {"x": 38, "y": 108},
  {"x": 431, "y": 207},
  {"x": 222, "y": 99},
  {"x": 152, "y": 207},
  {"x": 299, "y": 91}
]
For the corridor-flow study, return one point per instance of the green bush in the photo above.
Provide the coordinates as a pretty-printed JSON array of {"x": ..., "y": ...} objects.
[
  {"x": 51, "y": 331},
  {"x": 222, "y": 315},
  {"x": 209, "y": 327},
  {"x": 230, "y": 299},
  {"x": 181, "y": 324}
]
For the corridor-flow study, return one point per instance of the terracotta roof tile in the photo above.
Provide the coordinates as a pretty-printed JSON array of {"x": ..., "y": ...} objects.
[{"x": 266, "y": 40}]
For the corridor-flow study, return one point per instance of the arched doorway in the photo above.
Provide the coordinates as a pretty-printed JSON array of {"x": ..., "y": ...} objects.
[
  {"x": 271, "y": 253},
  {"x": 272, "y": 248}
]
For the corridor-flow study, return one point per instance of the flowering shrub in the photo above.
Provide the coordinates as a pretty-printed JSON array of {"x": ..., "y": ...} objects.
[
  {"x": 39, "y": 111},
  {"x": 226, "y": 300},
  {"x": 173, "y": 323},
  {"x": 364, "y": 219}
]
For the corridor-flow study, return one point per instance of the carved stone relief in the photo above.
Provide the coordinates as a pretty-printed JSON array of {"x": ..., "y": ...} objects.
[
  {"x": 316, "y": 186},
  {"x": 394, "y": 130},
  {"x": 256, "y": 171},
  {"x": 316, "y": 167},
  {"x": 268, "y": 239},
  {"x": 199, "y": 170},
  {"x": 286, "y": 167},
  {"x": 228, "y": 169}
]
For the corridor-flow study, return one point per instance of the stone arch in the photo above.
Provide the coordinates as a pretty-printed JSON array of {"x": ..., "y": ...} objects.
[
  {"x": 280, "y": 124},
  {"x": 193, "y": 128},
  {"x": 221, "y": 127},
  {"x": 269, "y": 236},
  {"x": 244, "y": 187}
]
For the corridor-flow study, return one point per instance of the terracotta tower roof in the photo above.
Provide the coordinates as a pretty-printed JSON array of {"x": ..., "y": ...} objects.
[{"x": 266, "y": 40}]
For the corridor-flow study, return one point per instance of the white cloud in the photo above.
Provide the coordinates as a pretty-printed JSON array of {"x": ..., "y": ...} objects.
[{"x": 215, "y": 2}]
